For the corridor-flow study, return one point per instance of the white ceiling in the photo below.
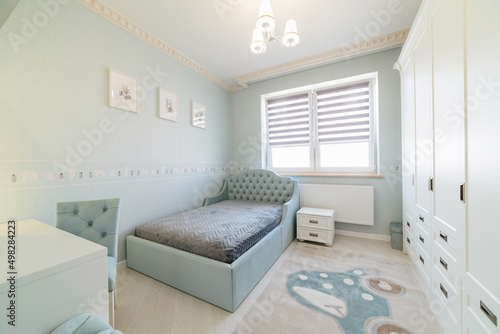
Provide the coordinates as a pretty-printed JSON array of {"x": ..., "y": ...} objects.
[{"x": 216, "y": 34}]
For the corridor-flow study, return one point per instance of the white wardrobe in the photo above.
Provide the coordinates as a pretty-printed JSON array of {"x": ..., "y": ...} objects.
[{"x": 450, "y": 78}]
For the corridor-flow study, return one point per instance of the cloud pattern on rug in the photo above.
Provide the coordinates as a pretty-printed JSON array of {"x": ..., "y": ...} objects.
[{"x": 343, "y": 297}]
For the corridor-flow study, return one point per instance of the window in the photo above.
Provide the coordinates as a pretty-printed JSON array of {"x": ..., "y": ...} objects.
[{"x": 327, "y": 128}]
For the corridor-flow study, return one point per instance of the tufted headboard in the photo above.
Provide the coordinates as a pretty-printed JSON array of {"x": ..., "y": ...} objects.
[{"x": 260, "y": 185}]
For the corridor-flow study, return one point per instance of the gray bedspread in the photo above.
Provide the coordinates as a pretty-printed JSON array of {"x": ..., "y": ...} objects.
[{"x": 222, "y": 231}]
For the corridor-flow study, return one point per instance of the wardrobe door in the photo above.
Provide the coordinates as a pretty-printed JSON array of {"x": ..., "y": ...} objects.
[
  {"x": 408, "y": 126},
  {"x": 449, "y": 141},
  {"x": 423, "y": 126},
  {"x": 482, "y": 278}
]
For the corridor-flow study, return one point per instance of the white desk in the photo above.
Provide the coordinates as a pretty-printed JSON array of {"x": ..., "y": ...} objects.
[{"x": 59, "y": 275}]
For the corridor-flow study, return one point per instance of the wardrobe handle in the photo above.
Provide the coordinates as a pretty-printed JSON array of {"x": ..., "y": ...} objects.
[
  {"x": 443, "y": 290},
  {"x": 443, "y": 236},
  {"x": 488, "y": 313},
  {"x": 313, "y": 234},
  {"x": 431, "y": 185},
  {"x": 421, "y": 218},
  {"x": 421, "y": 239},
  {"x": 443, "y": 263},
  {"x": 462, "y": 192}
]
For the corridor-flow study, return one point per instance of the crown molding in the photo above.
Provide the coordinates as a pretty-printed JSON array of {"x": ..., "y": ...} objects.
[
  {"x": 125, "y": 23},
  {"x": 417, "y": 29},
  {"x": 342, "y": 53}
]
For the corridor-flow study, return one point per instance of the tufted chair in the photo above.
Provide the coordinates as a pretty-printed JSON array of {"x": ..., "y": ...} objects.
[
  {"x": 96, "y": 221},
  {"x": 85, "y": 324}
]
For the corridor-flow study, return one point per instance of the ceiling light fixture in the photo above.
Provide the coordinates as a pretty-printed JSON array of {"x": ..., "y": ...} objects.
[{"x": 264, "y": 31}]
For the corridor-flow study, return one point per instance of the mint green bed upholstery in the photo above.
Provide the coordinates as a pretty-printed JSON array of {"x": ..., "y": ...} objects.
[{"x": 224, "y": 285}]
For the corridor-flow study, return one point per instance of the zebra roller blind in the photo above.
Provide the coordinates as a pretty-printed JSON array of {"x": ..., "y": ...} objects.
[
  {"x": 343, "y": 114},
  {"x": 332, "y": 125},
  {"x": 288, "y": 120}
]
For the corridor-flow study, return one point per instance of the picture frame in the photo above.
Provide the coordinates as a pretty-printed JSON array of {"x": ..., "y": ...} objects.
[
  {"x": 122, "y": 91},
  {"x": 168, "y": 105},
  {"x": 198, "y": 115}
]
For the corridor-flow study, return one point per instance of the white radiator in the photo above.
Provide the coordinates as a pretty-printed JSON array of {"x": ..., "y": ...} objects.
[{"x": 352, "y": 204}]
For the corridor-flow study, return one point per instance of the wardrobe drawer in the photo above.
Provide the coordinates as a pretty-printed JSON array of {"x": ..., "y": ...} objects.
[
  {"x": 480, "y": 307},
  {"x": 450, "y": 316},
  {"x": 448, "y": 243},
  {"x": 472, "y": 327},
  {"x": 444, "y": 262},
  {"x": 409, "y": 240},
  {"x": 423, "y": 238},
  {"x": 423, "y": 220},
  {"x": 423, "y": 263},
  {"x": 410, "y": 250},
  {"x": 448, "y": 291},
  {"x": 409, "y": 223}
]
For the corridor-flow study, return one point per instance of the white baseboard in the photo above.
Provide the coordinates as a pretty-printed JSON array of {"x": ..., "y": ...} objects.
[
  {"x": 379, "y": 237},
  {"x": 121, "y": 264}
]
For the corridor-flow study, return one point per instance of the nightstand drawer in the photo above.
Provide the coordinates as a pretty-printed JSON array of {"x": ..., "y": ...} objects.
[
  {"x": 316, "y": 235},
  {"x": 324, "y": 223}
]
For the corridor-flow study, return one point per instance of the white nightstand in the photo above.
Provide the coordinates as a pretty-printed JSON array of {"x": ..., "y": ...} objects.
[{"x": 316, "y": 225}]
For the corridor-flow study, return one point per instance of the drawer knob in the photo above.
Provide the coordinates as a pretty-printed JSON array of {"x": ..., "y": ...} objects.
[
  {"x": 443, "y": 290},
  {"x": 443, "y": 236},
  {"x": 311, "y": 221},
  {"x": 421, "y": 218},
  {"x": 408, "y": 224},
  {"x": 421, "y": 239},
  {"x": 313, "y": 234},
  {"x": 408, "y": 240},
  {"x": 488, "y": 313},
  {"x": 443, "y": 263},
  {"x": 421, "y": 259}
]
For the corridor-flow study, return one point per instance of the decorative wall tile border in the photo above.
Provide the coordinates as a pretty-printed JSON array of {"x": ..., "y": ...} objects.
[
  {"x": 39, "y": 174},
  {"x": 342, "y": 53}
]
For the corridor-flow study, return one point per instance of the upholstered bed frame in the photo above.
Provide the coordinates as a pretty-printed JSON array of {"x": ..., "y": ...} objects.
[{"x": 224, "y": 285}]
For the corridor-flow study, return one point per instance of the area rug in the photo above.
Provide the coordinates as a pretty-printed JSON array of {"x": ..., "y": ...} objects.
[{"x": 321, "y": 290}]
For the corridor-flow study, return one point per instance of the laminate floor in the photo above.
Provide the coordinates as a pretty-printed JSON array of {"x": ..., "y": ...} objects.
[{"x": 147, "y": 306}]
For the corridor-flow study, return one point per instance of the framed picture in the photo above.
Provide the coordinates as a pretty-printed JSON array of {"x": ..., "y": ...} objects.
[
  {"x": 122, "y": 91},
  {"x": 198, "y": 115},
  {"x": 168, "y": 105}
]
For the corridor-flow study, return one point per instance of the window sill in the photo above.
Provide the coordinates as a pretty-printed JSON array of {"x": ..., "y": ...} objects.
[{"x": 378, "y": 176}]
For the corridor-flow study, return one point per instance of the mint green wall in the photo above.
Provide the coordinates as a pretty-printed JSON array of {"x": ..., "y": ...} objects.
[
  {"x": 246, "y": 129},
  {"x": 53, "y": 103},
  {"x": 53, "y": 98}
]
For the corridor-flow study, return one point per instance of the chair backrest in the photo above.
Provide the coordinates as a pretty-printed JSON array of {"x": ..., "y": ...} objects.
[{"x": 96, "y": 221}]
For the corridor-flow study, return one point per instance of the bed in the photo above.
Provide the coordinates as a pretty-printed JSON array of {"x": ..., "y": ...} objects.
[{"x": 224, "y": 283}]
